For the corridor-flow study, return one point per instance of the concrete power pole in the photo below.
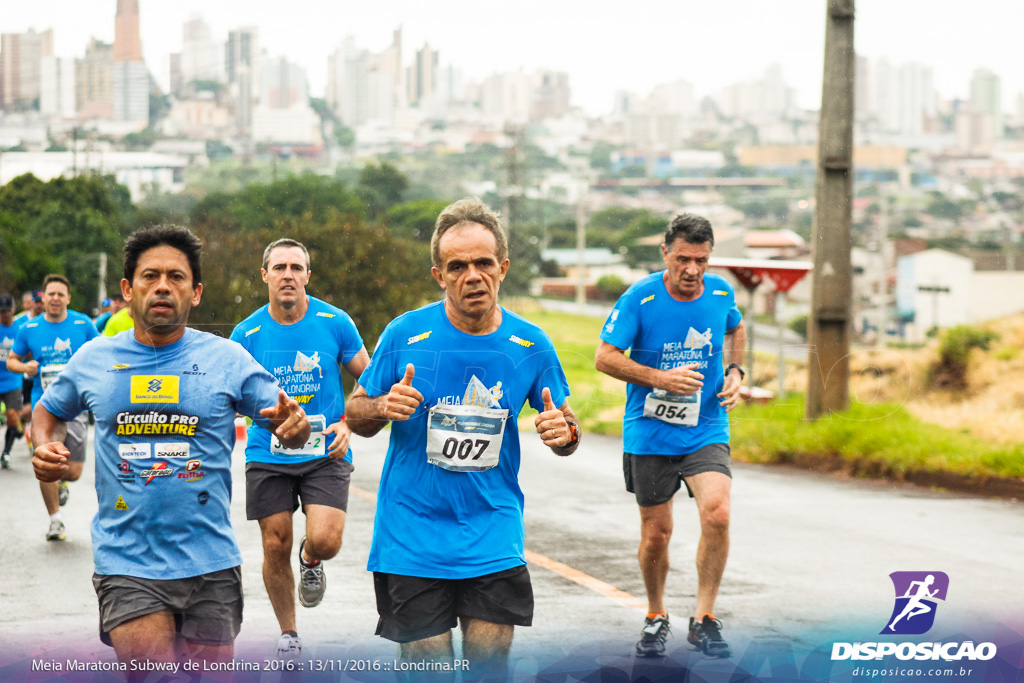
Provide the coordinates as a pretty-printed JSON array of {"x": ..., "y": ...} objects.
[{"x": 832, "y": 289}]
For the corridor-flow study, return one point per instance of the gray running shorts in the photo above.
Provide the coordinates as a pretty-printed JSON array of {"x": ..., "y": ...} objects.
[
  {"x": 654, "y": 479},
  {"x": 271, "y": 488},
  {"x": 78, "y": 430},
  {"x": 207, "y": 609},
  {"x": 12, "y": 399}
]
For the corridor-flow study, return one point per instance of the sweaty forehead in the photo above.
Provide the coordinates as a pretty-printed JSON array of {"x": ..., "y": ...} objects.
[
  {"x": 164, "y": 257},
  {"x": 688, "y": 250},
  {"x": 286, "y": 256},
  {"x": 59, "y": 287},
  {"x": 467, "y": 241}
]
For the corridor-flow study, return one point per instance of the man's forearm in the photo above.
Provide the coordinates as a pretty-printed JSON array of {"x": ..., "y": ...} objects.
[
  {"x": 736, "y": 345},
  {"x": 365, "y": 414},
  {"x": 615, "y": 364},
  {"x": 47, "y": 427}
]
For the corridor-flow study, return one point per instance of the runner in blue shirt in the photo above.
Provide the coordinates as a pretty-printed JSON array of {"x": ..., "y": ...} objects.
[
  {"x": 42, "y": 349},
  {"x": 452, "y": 378},
  {"x": 165, "y": 398},
  {"x": 304, "y": 342},
  {"x": 678, "y": 324},
  {"x": 10, "y": 382}
]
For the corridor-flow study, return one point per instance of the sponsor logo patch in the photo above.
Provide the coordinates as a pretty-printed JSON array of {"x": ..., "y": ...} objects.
[
  {"x": 171, "y": 450},
  {"x": 253, "y": 330},
  {"x": 325, "y": 315},
  {"x": 121, "y": 505},
  {"x": 522, "y": 342},
  {"x": 646, "y": 299},
  {"x": 419, "y": 337},
  {"x": 203, "y": 497},
  {"x": 133, "y": 451},
  {"x": 158, "y": 470},
  {"x": 155, "y": 388}
]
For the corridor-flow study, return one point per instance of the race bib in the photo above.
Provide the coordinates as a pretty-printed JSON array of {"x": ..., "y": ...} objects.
[
  {"x": 316, "y": 445},
  {"x": 4, "y": 354},
  {"x": 675, "y": 409},
  {"x": 465, "y": 438},
  {"x": 49, "y": 373}
]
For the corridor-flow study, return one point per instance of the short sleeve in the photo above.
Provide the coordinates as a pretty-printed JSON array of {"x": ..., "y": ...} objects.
[
  {"x": 21, "y": 342},
  {"x": 734, "y": 316},
  {"x": 258, "y": 389},
  {"x": 349, "y": 340},
  {"x": 548, "y": 374},
  {"x": 90, "y": 330},
  {"x": 620, "y": 329},
  {"x": 380, "y": 374},
  {"x": 238, "y": 334}
]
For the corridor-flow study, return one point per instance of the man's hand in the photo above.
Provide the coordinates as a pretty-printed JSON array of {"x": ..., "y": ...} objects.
[
  {"x": 730, "y": 394},
  {"x": 684, "y": 380},
  {"x": 32, "y": 368},
  {"x": 338, "y": 447},
  {"x": 292, "y": 427},
  {"x": 403, "y": 400},
  {"x": 551, "y": 424},
  {"x": 50, "y": 461}
]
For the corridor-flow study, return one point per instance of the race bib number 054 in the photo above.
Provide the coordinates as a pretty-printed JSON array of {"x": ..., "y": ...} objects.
[
  {"x": 675, "y": 409},
  {"x": 465, "y": 438}
]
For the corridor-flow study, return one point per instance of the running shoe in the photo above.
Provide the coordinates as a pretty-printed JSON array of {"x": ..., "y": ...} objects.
[
  {"x": 56, "y": 532},
  {"x": 706, "y": 636},
  {"x": 289, "y": 646},
  {"x": 63, "y": 492},
  {"x": 312, "y": 581},
  {"x": 653, "y": 637},
  {"x": 5, "y": 461}
]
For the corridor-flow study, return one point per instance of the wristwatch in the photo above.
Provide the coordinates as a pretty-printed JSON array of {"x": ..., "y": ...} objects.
[
  {"x": 728, "y": 369},
  {"x": 574, "y": 434}
]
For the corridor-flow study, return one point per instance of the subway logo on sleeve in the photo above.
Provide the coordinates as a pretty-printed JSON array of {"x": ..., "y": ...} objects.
[{"x": 155, "y": 388}]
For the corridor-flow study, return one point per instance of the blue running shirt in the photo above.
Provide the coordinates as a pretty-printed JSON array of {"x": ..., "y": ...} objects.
[
  {"x": 52, "y": 345},
  {"x": 165, "y": 427},
  {"x": 306, "y": 358},
  {"x": 9, "y": 381},
  {"x": 435, "y": 522},
  {"x": 664, "y": 333}
]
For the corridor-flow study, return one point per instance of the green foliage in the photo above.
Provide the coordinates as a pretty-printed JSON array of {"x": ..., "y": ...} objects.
[
  {"x": 799, "y": 325},
  {"x": 611, "y": 286},
  {"x": 381, "y": 187},
  {"x": 261, "y": 205},
  {"x": 215, "y": 149},
  {"x": 415, "y": 220},
  {"x": 601, "y": 155},
  {"x": 951, "y": 369},
  {"x": 61, "y": 226}
]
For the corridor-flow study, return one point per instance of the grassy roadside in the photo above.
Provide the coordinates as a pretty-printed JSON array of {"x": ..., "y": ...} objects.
[{"x": 870, "y": 439}]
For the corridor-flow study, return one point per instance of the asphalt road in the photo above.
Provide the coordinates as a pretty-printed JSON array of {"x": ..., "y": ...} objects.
[{"x": 810, "y": 561}]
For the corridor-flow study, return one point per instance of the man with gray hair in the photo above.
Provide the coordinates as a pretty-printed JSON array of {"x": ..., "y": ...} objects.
[
  {"x": 304, "y": 342},
  {"x": 452, "y": 378}
]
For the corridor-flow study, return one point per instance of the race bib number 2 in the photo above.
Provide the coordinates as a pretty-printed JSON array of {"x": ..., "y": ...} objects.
[
  {"x": 316, "y": 445},
  {"x": 676, "y": 409},
  {"x": 465, "y": 438}
]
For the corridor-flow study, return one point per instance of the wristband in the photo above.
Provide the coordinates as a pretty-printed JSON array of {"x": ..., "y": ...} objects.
[
  {"x": 738, "y": 367},
  {"x": 574, "y": 434}
]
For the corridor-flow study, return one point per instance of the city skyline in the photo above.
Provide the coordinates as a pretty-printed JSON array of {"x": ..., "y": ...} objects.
[{"x": 601, "y": 52}]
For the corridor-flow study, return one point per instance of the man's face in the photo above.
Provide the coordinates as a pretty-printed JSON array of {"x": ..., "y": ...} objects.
[
  {"x": 161, "y": 293},
  {"x": 55, "y": 299},
  {"x": 6, "y": 318},
  {"x": 38, "y": 306},
  {"x": 470, "y": 272},
  {"x": 286, "y": 276},
  {"x": 686, "y": 264},
  {"x": 116, "y": 305}
]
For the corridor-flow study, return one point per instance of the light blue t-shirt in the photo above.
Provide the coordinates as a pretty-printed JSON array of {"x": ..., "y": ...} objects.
[
  {"x": 435, "y": 522},
  {"x": 9, "y": 381},
  {"x": 52, "y": 345},
  {"x": 306, "y": 358},
  {"x": 665, "y": 333},
  {"x": 165, "y": 427}
]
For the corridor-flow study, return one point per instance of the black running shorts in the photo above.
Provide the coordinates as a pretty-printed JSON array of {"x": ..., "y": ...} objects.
[
  {"x": 272, "y": 488},
  {"x": 654, "y": 479},
  {"x": 207, "y": 609},
  {"x": 413, "y": 608}
]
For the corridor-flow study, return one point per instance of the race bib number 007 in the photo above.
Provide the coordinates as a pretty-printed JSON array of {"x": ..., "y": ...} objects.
[
  {"x": 675, "y": 409},
  {"x": 316, "y": 445},
  {"x": 465, "y": 438}
]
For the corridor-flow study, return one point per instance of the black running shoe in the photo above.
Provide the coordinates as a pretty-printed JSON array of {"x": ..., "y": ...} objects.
[
  {"x": 653, "y": 637},
  {"x": 706, "y": 636}
]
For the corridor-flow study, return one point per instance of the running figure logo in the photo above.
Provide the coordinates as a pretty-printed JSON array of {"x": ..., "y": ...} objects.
[
  {"x": 916, "y": 596},
  {"x": 304, "y": 363},
  {"x": 696, "y": 340},
  {"x": 62, "y": 344}
]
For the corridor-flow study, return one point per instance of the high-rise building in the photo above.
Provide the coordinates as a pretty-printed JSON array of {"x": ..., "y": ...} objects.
[
  {"x": 21, "y": 56},
  {"x": 550, "y": 95},
  {"x": 364, "y": 86},
  {"x": 284, "y": 84},
  {"x": 127, "y": 43},
  {"x": 202, "y": 58},
  {"x": 987, "y": 98},
  {"x": 57, "y": 87},
  {"x": 130, "y": 77},
  {"x": 902, "y": 97},
  {"x": 423, "y": 75},
  {"x": 241, "y": 68},
  {"x": 94, "y": 81}
]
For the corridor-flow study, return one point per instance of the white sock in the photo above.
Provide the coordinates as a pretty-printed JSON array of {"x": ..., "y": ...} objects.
[{"x": 55, "y": 517}]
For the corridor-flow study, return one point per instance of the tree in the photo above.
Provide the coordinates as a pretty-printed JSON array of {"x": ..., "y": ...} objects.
[
  {"x": 415, "y": 220},
  {"x": 381, "y": 187}
]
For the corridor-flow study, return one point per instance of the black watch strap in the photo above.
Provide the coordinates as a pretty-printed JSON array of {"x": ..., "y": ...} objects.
[
  {"x": 574, "y": 434},
  {"x": 728, "y": 369}
]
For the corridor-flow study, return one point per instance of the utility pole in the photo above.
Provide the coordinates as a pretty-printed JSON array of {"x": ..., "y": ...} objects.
[
  {"x": 581, "y": 247},
  {"x": 101, "y": 291},
  {"x": 832, "y": 288}
]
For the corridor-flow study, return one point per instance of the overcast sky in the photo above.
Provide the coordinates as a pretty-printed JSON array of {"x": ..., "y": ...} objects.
[{"x": 603, "y": 46}]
